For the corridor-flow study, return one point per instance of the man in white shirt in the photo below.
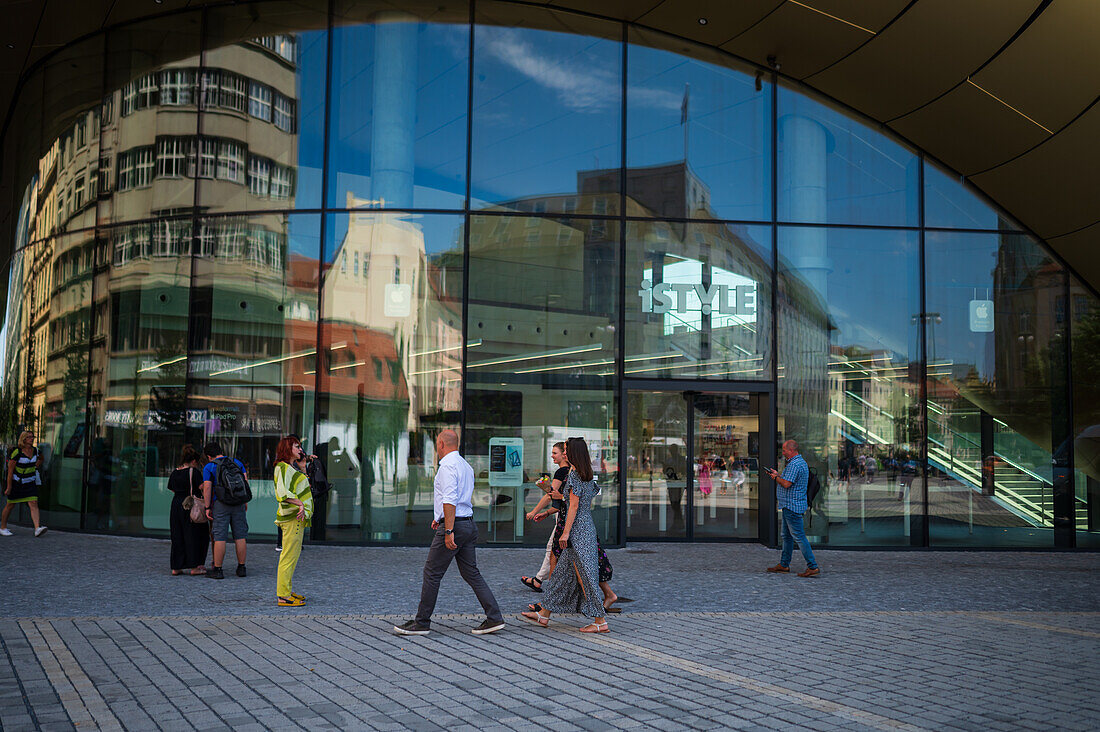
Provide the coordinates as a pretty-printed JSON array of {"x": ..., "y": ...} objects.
[{"x": 455, "y": 537}]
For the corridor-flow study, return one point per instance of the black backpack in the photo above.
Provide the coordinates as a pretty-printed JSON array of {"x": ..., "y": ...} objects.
[
  {"x": 230, "y": 485},
  {"x": 318, "y": 483},
  {"x": 813, "y": 487}
]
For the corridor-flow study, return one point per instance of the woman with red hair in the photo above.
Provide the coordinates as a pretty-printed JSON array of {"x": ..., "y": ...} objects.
[{"x": 295, "y": 506}]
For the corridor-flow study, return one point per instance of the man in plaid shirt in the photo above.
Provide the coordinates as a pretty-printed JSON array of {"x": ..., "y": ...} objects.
[{"x": 790, "y": 495}]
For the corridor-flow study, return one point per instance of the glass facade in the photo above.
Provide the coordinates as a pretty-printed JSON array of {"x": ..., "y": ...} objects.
[{"x": 364, "y": 222}]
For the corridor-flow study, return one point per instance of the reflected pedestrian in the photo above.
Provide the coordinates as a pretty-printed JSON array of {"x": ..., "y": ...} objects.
[
  {"x": 190, "y": 540},
  {"x": 23, "y": 482}
]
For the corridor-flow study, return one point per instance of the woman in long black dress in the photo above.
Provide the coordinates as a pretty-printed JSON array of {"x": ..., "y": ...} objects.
[{"x": 189, "y": 540}]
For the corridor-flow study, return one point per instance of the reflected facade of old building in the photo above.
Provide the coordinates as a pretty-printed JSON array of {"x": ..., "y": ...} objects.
[{"x": 364, "y": 222}]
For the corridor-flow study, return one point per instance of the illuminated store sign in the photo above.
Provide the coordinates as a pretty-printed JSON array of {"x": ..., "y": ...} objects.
[{"x": 681, "y": 297}]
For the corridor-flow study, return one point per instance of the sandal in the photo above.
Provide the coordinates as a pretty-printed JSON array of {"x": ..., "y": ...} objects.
[
  {"x": 535, "y": 607},
  {"x": 177, "y": 572},
  {"x": 291, "y": 602},
  {"x": 596, "y": 628},
  {"x": 530, "y": 582},
  {"x": 296, "y": 596},
  {"x": 197, "y": 571},
  {"x": 535, "y": 618}
]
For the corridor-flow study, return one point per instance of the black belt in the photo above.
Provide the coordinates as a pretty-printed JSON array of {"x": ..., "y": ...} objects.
[{"x": 464, "y": 518}]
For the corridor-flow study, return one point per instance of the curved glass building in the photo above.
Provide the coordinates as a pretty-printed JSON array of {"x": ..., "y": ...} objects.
[{"x": 363, "y": 222}]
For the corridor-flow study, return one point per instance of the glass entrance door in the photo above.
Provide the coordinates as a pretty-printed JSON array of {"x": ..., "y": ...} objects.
[
  {"x": 726, "y": 465},
  {"x": 693, "y": 464}
]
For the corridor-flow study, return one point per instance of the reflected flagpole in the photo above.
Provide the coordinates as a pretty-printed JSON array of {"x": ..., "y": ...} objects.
[{"x": 684, "y": 118}]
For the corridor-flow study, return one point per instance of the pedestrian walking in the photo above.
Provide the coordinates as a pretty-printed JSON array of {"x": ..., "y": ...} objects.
[
  {"x": 23, "y": 482},
  {"x": 572, "y": 586},
  {"x": 190, "y": 540},
  {"x": 292, "y": 515},
  {"x": 552, "y": 497},
  {"x": 790, "y": 492},
  {"x": 455, "y": 537},
  {"x": 226, "y": 493}
]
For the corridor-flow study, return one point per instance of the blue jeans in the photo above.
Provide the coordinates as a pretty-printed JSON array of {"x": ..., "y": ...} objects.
[{"x": 792, "y": 532}]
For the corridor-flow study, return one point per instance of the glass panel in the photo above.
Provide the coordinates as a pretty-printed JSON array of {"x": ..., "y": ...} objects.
[
  {"x": 57, "y": 284},
  {"x": 698, "y": 300},
  {"x": 1083, "y": 312},
  {"x": 834, "y": 169},
  {"x": 849, "y": 352},
  {"x": 657, "y": 478},
  {"x": 993, "y": 336},
  {"x": 398, "y": 129},
  {"x": 685, "y": 102},
  {"x": 949, "y": 203},
  {"x": 253, "y": 340},
  {"x": 139, "y": 374},
  {"x": 726, "y": 457},
  {"x": 541, "y": 360},
  {"x": 71, "y": 128},
  {"x": 138, "y": 119},
  {"x": 547, "y": 107},
  {"x": 391, "y": 370},
  {"x": 262, "y": 92}
]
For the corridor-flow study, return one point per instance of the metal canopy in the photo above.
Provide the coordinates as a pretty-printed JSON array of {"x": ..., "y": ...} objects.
[{"x": 1004, "y": 92}]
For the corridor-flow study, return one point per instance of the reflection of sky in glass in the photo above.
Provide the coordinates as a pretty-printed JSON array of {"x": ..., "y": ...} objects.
[
  {"x": 313, "y": 50},
  {"x": 546, "y": 105},
  {"x": 442, "y": 232},
  {"x": 948, "y": 202},
  {"x": 439, "y": 138},
  {"x": 873, "y": 291},
  {"x": 727, "y": 128},
  {"x": 870, "y": 179}
]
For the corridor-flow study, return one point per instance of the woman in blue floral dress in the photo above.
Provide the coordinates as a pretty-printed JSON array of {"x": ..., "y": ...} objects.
[{"x": 574, "y": 586}]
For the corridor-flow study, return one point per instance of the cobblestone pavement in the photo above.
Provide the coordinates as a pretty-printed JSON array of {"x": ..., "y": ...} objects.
[{"x": 94, "y": 634}]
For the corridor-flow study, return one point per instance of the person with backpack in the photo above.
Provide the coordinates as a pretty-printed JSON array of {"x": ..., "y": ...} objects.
[
  {"x": 226, "y": 492},
  {"x": 790, "y": 493}
]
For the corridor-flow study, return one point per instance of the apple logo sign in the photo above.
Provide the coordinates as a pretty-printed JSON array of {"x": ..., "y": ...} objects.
[
  {"x": 981, "y": 316},
  {"x": 398, "y": 301}
]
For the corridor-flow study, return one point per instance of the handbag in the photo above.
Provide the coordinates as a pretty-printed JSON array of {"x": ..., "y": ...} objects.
[{"x": 195, "y": 508}]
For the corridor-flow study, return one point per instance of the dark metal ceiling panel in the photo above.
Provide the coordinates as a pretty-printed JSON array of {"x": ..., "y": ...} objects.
[
  {"x": 803, "y": 41},
  {"x": 926, "y": 52},
  {"x": 1081, "y": 250},
  {"x": 971, "y": 129},
  {"x": 126, "y": 10},
  {"x": 870, "y": 15},
  {"x": 1052, "y": 71},
  {"x": 725, "y": 19},
  {"x": 622, "y": 9},
  {"x": 64, "y": 20},
  {"x": 1053, "y": 188}
]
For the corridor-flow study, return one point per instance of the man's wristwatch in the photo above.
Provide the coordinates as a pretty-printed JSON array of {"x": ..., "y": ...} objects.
[{"x": 448, "y": 532}]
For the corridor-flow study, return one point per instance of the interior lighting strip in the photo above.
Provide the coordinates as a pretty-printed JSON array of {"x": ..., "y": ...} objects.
[
  {"x": 158, "y": 365},
  {"x": 578, "y": 365},
  {"x": 310, "y": 352},
  {"x": 546, "y": 354},
  {"x": 346, "y": 366},
  {"x": 471, "y": 344}
]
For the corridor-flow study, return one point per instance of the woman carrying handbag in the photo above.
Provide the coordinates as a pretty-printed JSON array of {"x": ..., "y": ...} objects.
[{"x": 190, "y": 535}]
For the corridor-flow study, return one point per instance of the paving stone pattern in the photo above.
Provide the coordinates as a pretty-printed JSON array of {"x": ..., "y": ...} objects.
[{"x": 95, "y": 635}]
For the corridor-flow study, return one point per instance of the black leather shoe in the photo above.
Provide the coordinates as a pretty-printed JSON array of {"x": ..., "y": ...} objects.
[
  {"x": 489, "y": 626},
  {"x": 411, "y": 628},
  {"x": 241, "y": 571},
  {"x": 216, "y": 573}
]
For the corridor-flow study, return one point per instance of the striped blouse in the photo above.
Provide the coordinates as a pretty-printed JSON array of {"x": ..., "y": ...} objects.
[
  {"x": 24, "y": 482},
  {"x": 291, "y": 483}
]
